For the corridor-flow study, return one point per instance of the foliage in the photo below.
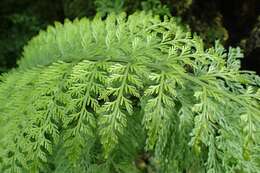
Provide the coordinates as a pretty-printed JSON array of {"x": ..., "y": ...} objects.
[
  {"x": 21, "y": 28},
  {"x": 77, "y": 8},
  {"x": 23, "y": 19},
  {"x": 93, "y": 95},
  {"x": 209, "y": 31},
  {"x": 105, "y": 7}
]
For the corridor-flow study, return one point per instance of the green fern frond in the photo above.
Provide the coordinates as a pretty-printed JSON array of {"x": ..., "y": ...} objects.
[{"x": 97, "y": 95}]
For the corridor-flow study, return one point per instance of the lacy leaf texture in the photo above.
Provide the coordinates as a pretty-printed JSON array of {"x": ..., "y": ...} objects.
[{"x": 93, "y": 96}]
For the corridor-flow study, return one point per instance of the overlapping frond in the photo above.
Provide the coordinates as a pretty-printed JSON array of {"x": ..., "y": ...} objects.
[{"x": 94, "y": 95}]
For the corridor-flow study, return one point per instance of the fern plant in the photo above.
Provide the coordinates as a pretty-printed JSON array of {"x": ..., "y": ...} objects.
[{"x": 96, "y": 96}]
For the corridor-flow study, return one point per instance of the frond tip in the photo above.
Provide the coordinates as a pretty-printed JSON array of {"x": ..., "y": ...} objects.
[{"x": 92, "y": 96}]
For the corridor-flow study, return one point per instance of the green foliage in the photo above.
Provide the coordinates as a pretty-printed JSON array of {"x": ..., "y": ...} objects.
[
  {"x": 92, "y": 95},
  {"x": 16, "y": 30},
  {"x": 21, "y": 20},
  {"x": 77, "y": 8},
  {"x": 105, "y": 7}
]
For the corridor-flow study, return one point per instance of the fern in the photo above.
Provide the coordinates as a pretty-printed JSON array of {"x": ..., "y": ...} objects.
[{"x": 94, "y": 96}]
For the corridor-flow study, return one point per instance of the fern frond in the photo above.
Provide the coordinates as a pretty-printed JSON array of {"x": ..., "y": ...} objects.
[
  {"x": 124, "y": 83},
  {"x": 96, "y": 95}
]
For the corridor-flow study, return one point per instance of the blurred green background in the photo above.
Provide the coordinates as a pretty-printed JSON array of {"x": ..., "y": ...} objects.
[{"x": 233, "y": 22}]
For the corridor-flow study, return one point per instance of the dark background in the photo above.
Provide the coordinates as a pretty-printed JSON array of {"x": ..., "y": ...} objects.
[{"x": 234, "y": 22}]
